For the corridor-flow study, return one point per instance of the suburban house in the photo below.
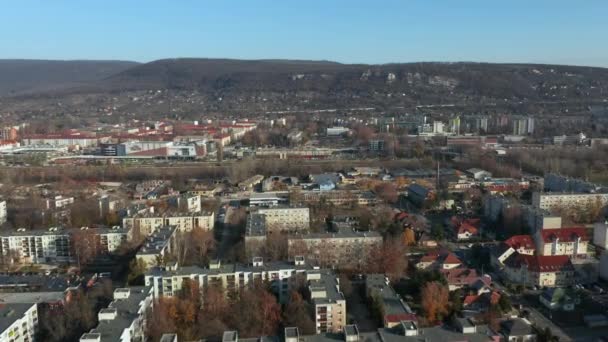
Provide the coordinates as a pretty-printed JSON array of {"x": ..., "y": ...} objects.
[
  {"x": 566, "y": 241},
  {"x": 539, "y": 270},
  {"x": 443, "y": 260}
]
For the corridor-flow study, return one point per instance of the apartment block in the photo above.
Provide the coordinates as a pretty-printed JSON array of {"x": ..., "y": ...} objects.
[
  {"x": 54, "y": 245},
  {"x": 537, "y": 270},
  {"x": 326, "y": 297},
  {"x": 19, "y": 322},
  {"x": 157, "y": 246},
  {"x": 286, "y": 218},
  {"x": 549, "y": 200},
  {"x": 345, "y": 248},
  {"x": 124, "y": 318},
  {"x": 3, "y": 212},
  {"x": 565, "y": 241},
  {"x": 148, "y": 222},
  {"x": 395, "y": 310}
]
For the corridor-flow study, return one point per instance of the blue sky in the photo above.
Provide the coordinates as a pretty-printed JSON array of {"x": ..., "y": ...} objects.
[{"x": 349, "y": 31}]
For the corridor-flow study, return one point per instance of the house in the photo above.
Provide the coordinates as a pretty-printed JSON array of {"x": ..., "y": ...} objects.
[
  {"x": 566, "y": 241},
  {"x": 465, "y": 229},
  {"x": 458, "y": 278},
  {"x": 418, "y": 194},
  {"x": 438, "y": 260},
  {"x": 481, "y": 302},
  {"x": 517, "y": 329},
  {"x": 538, "y": 270},
  {"x": 478, "y": 174},
  {"x": 559, "y": 298},
  {"x": 522, "y": 244}
]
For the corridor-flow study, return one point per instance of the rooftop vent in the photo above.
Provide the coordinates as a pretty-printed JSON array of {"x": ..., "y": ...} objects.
[
  {"x": 351, "y": 333},
  {"x": 292, "y": 334},
  {"x": 230, "y": 336},
  {"x": 258, "y": 262},
  {"x": 107, "y": 314}
]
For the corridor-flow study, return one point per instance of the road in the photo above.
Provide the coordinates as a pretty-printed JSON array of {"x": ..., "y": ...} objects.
[{"x": 535, "y": 316}]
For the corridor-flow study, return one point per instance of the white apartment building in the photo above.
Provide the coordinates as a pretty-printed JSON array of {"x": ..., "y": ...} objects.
[
  {"x": 566, "y": 241},
  {"x": 327, "y": 299},
  {"x": 20, "y": 322},
  {"x": 157, "y": 245},
  {"x": 59, "y": 202},
  {"x": 3, "y": 213},
  {"x": 345, "y": 248},
  {"x": 124, "y": 318},
  {"x": 53, "y": 245},
  {"x": 148, "y": 222},
  {"x": 549, "y": 200},
  {"x": 600, "y": 235},
  {"x": 286, "y": 218}
]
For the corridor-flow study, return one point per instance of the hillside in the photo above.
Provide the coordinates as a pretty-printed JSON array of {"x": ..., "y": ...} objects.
[
  {"x": 511, "y": 81},
  {"x": 19, "y": 77},
  {"x": 189, "y": 87}
]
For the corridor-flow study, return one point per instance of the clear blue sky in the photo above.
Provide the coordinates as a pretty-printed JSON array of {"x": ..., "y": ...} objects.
[{"x": 350, "y": 31}]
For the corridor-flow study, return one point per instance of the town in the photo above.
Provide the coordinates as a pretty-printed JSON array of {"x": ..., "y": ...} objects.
[{"x": 276, "y": 227}]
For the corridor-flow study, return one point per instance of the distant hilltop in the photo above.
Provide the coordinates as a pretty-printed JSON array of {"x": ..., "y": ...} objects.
[{"x": 322, "y": 81}]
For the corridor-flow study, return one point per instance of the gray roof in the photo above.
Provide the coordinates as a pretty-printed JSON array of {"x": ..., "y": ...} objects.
[
  {"x": 31, "y": 297},
  {"x": 341, "y": 233},
  {"x": 9, "y": 313},
  {"x": 127, "y": 311},
  {"x": 156, "y": 242},
  {"x": 376, "y": 284}
]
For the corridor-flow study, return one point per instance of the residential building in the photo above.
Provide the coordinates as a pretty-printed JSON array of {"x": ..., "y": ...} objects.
[
  {"x": 124, "y": 318},
  {"x": 339, "y": 197},
  {"x": 329, "y": 304},
  {"x": 55, "y": 245},
  {"x": 439, "y": 260},
  {"x": 290, "y": 219},
  {"x": 553, "y": 200},
  {"x": 523, "y": 126},
  {"x": 157, "y": 247},
  {"x": 566, "y": 241},
  {"x": 3, "y": 213},
  {"x": 418, "y": 194},
  {"x": 518, "y": 330},
  {"x": 146, "y": 223},
  {"x": 600, "y": 235},
  {"x": 268, "y": 199},
  {"x": 465, "y": 229},
  {"x": 327, "y": 300},
  {"x": 255, "y": 234},
  {"x": 18, "y": 322},
  {"x": 345, "y": 248},
  {"x": 558, "y": 183},
  {"x": 394, "y": 309},
  {"x": 250, "y": 182},
  {"x": 58, "y": 202},
  {"x": 478, "y": 174},
  {"x": 337, "y": 131},
  {"x": 537, "y": 270}
]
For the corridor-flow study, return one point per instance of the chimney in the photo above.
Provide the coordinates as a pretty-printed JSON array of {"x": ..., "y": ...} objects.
[
  {"x": 292, "y": 334},
  {"x": 91, "y": 337},
  {"x": 122, "y": 293},
  {"x": 351, "y": 333},
  {"x": 107, "y": 314},
  {"x": 410, "y": 328},
  {"x": 258, "y": 262},
  {"x": 299, "y": 260},
  {"x": 230, "y": 336}
]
